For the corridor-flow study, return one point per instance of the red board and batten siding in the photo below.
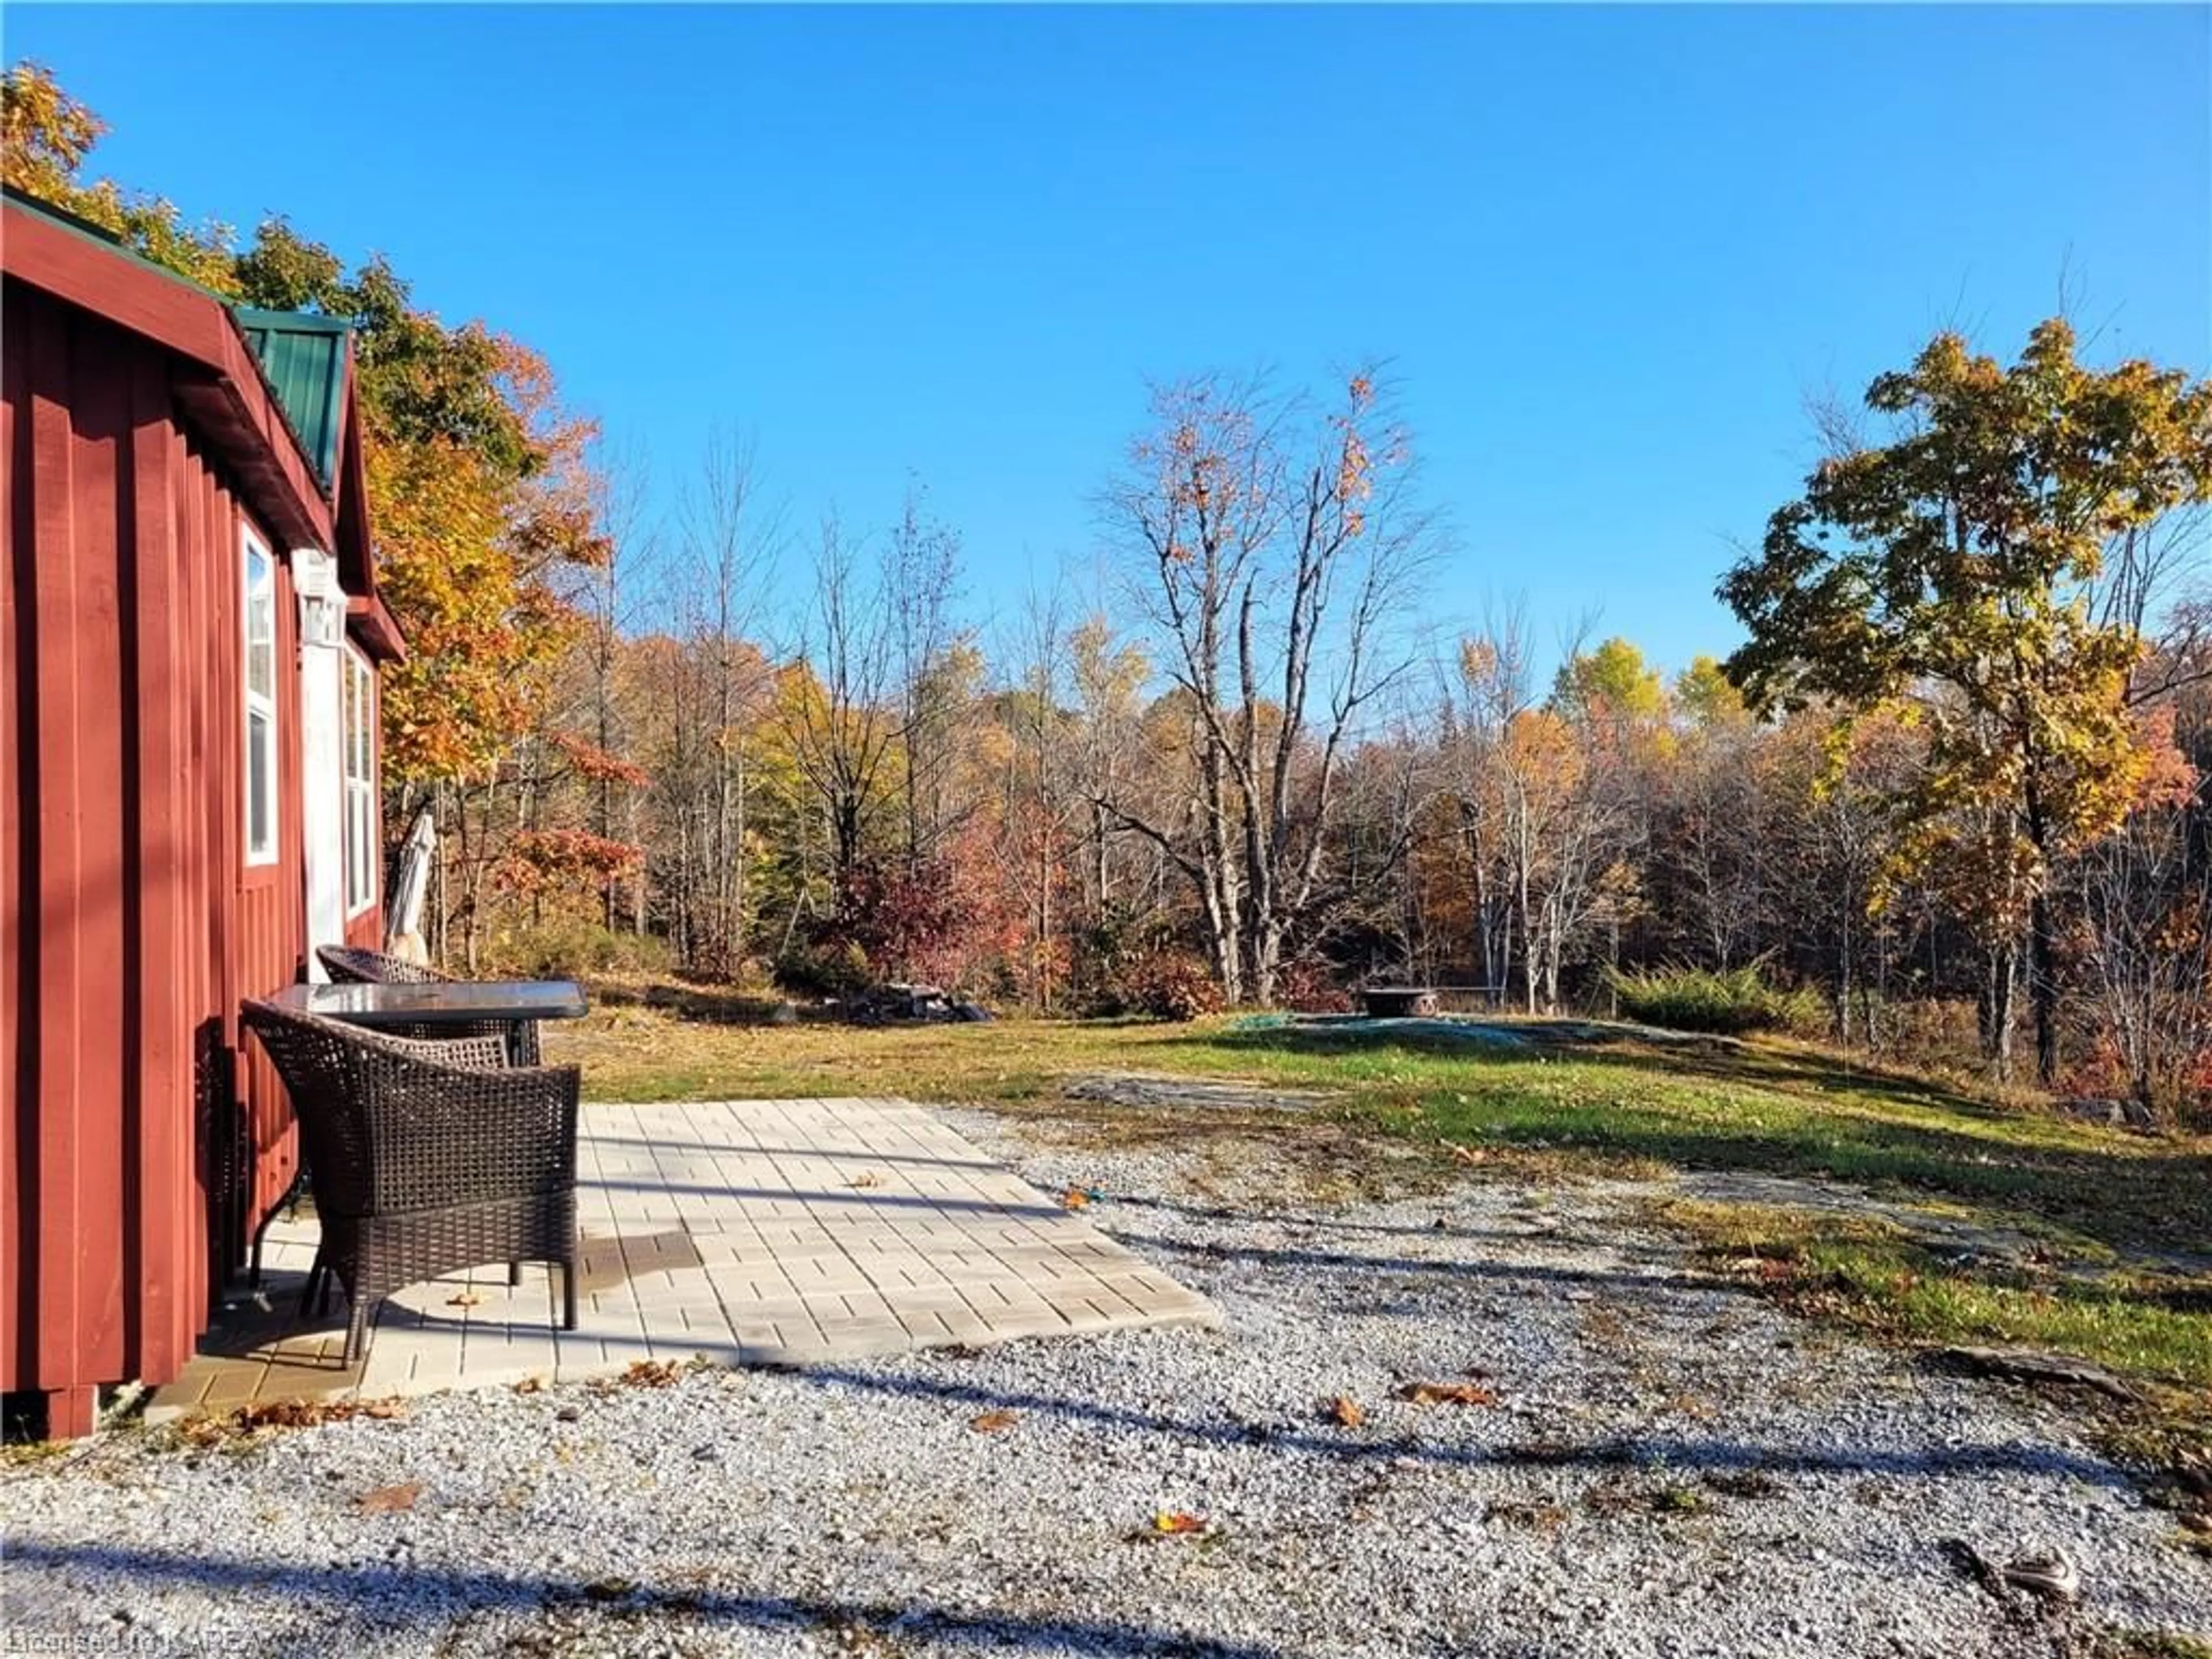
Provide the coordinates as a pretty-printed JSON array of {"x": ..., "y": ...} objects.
[{"x": 142, "y": 1141}]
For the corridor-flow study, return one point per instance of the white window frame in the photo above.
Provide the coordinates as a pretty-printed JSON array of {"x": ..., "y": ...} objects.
[
  {"x": 358, "y": 699},
  {"x": 258, "y": 704}
]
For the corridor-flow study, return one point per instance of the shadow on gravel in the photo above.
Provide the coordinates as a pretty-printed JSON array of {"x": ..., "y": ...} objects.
[
  {"x": 1282, "y": 1256},
  {"x": 1676, "y": 1453},
  {"x": 400, "y": 1598},
  {"x": 1315, "y": 1221}
]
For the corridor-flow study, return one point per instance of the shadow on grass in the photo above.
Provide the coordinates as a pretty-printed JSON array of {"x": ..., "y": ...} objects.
[
  {"x": 1721, "y": 1060},
  {"x": 692, "y": 1002},
  {"x": 424, "y": 1599},
  {"x": 2149, "y": 1195}
]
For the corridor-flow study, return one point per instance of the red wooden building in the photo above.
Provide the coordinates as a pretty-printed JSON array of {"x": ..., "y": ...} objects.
[{"x": 190, "y": 635}]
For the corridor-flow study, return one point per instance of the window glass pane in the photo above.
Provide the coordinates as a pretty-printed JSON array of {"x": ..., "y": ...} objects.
[
  {"x": 353, "y": 854},
  {"x": 260, "y": 783},
  {"x": 360, "y": 845},
  {"x": 260, "y": 624}
]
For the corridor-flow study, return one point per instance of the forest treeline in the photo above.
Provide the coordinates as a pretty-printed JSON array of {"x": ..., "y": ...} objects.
[{"x": 1954, "y": 783}]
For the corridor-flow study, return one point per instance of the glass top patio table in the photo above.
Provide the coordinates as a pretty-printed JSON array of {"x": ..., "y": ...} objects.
[{"x": 458, "y": 1002}]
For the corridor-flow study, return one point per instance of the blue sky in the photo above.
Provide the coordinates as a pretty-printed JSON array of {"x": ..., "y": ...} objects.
[{"x": 1607, "y": 253}]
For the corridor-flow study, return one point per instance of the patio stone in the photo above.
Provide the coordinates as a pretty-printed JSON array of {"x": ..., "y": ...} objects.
[{"x": 762, "y": 1232}]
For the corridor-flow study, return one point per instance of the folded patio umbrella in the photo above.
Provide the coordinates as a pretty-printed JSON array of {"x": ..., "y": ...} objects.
[{"x": 402, "y": 921}]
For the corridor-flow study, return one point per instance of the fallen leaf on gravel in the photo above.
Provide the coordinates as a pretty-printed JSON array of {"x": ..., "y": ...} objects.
[
  {"x": 290, "y": 1413},
  {"x": 385, "y": 1500},
  {"x": 993, "y": 1422},
  {"x": 1537, "y": 1517},
  {"x": 1448, "y": 1393},
  {"x": 1347, "y": 1411},
  {"x": 283, "y": 1414},
  {"x": 1975, "y": 1565},
  {"x": 609, "y": 1590},
  {"x": 1614, "y": 1497},
  {"x": 466, "y": 1299},
  {"x": 530, "y": 1385},
  {"x": 1744, "y": 1482},
  {"x": 1465, "y": 1154},
  {"x": 651, "y": 1373},
  {"x": 1178, "y": 1522},
  {"x": 1074, "y": 1199}
]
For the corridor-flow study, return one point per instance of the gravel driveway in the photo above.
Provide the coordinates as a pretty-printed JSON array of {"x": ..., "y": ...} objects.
[{"x": 1645, "y": 1463}]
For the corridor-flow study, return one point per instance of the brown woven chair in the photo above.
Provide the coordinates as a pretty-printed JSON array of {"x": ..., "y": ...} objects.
[
  {"x": 429, "y": 1157},
  {"x": 348, "y": 964}
]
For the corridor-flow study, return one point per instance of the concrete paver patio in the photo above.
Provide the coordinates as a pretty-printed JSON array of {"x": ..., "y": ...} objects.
[{"x": 750, "y": 1232}]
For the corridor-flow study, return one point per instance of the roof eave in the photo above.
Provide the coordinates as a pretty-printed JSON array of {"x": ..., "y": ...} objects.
[
  {"x": 370, "y": 622},
  {"x": 223, "y": 387}
]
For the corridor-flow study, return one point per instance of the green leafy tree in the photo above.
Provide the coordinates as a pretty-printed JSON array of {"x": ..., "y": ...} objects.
[
  {"x": 1610, "y": 681},
  {"x": 1947, "y": 575},
  {"x": 1707, "y": 698}
]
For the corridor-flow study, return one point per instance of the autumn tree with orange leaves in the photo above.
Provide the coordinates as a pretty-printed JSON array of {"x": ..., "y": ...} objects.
[{"x": 482, "y": 489}]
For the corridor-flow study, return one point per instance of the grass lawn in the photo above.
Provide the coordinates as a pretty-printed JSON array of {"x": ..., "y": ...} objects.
[{"x": 2118, "y": 1270}]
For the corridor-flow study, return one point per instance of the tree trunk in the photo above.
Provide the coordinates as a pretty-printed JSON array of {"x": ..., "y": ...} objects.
[
  {"x": 2043, "y": 987},
  {"x": 1999, "y": 986},
  {"x": 736, "y": 853},
  {"x": 1098, "y": 874},
  {"x": 1844, "y": 973}
]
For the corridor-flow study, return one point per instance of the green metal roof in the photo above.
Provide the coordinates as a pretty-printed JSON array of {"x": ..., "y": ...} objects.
[{"x": 304, "y": 356}]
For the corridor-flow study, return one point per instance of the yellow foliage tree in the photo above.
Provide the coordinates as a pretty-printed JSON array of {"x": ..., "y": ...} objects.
[{"x": 1946, "y": 575}]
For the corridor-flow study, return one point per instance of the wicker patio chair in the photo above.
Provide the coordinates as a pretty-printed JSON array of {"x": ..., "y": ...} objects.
[
  {"x": 348, "y": 964},
  {"x": 429, "y": 1157}
]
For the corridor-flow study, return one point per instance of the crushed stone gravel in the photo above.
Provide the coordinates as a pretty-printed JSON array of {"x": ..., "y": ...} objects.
[{"x": 1670, "y": 1468}]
